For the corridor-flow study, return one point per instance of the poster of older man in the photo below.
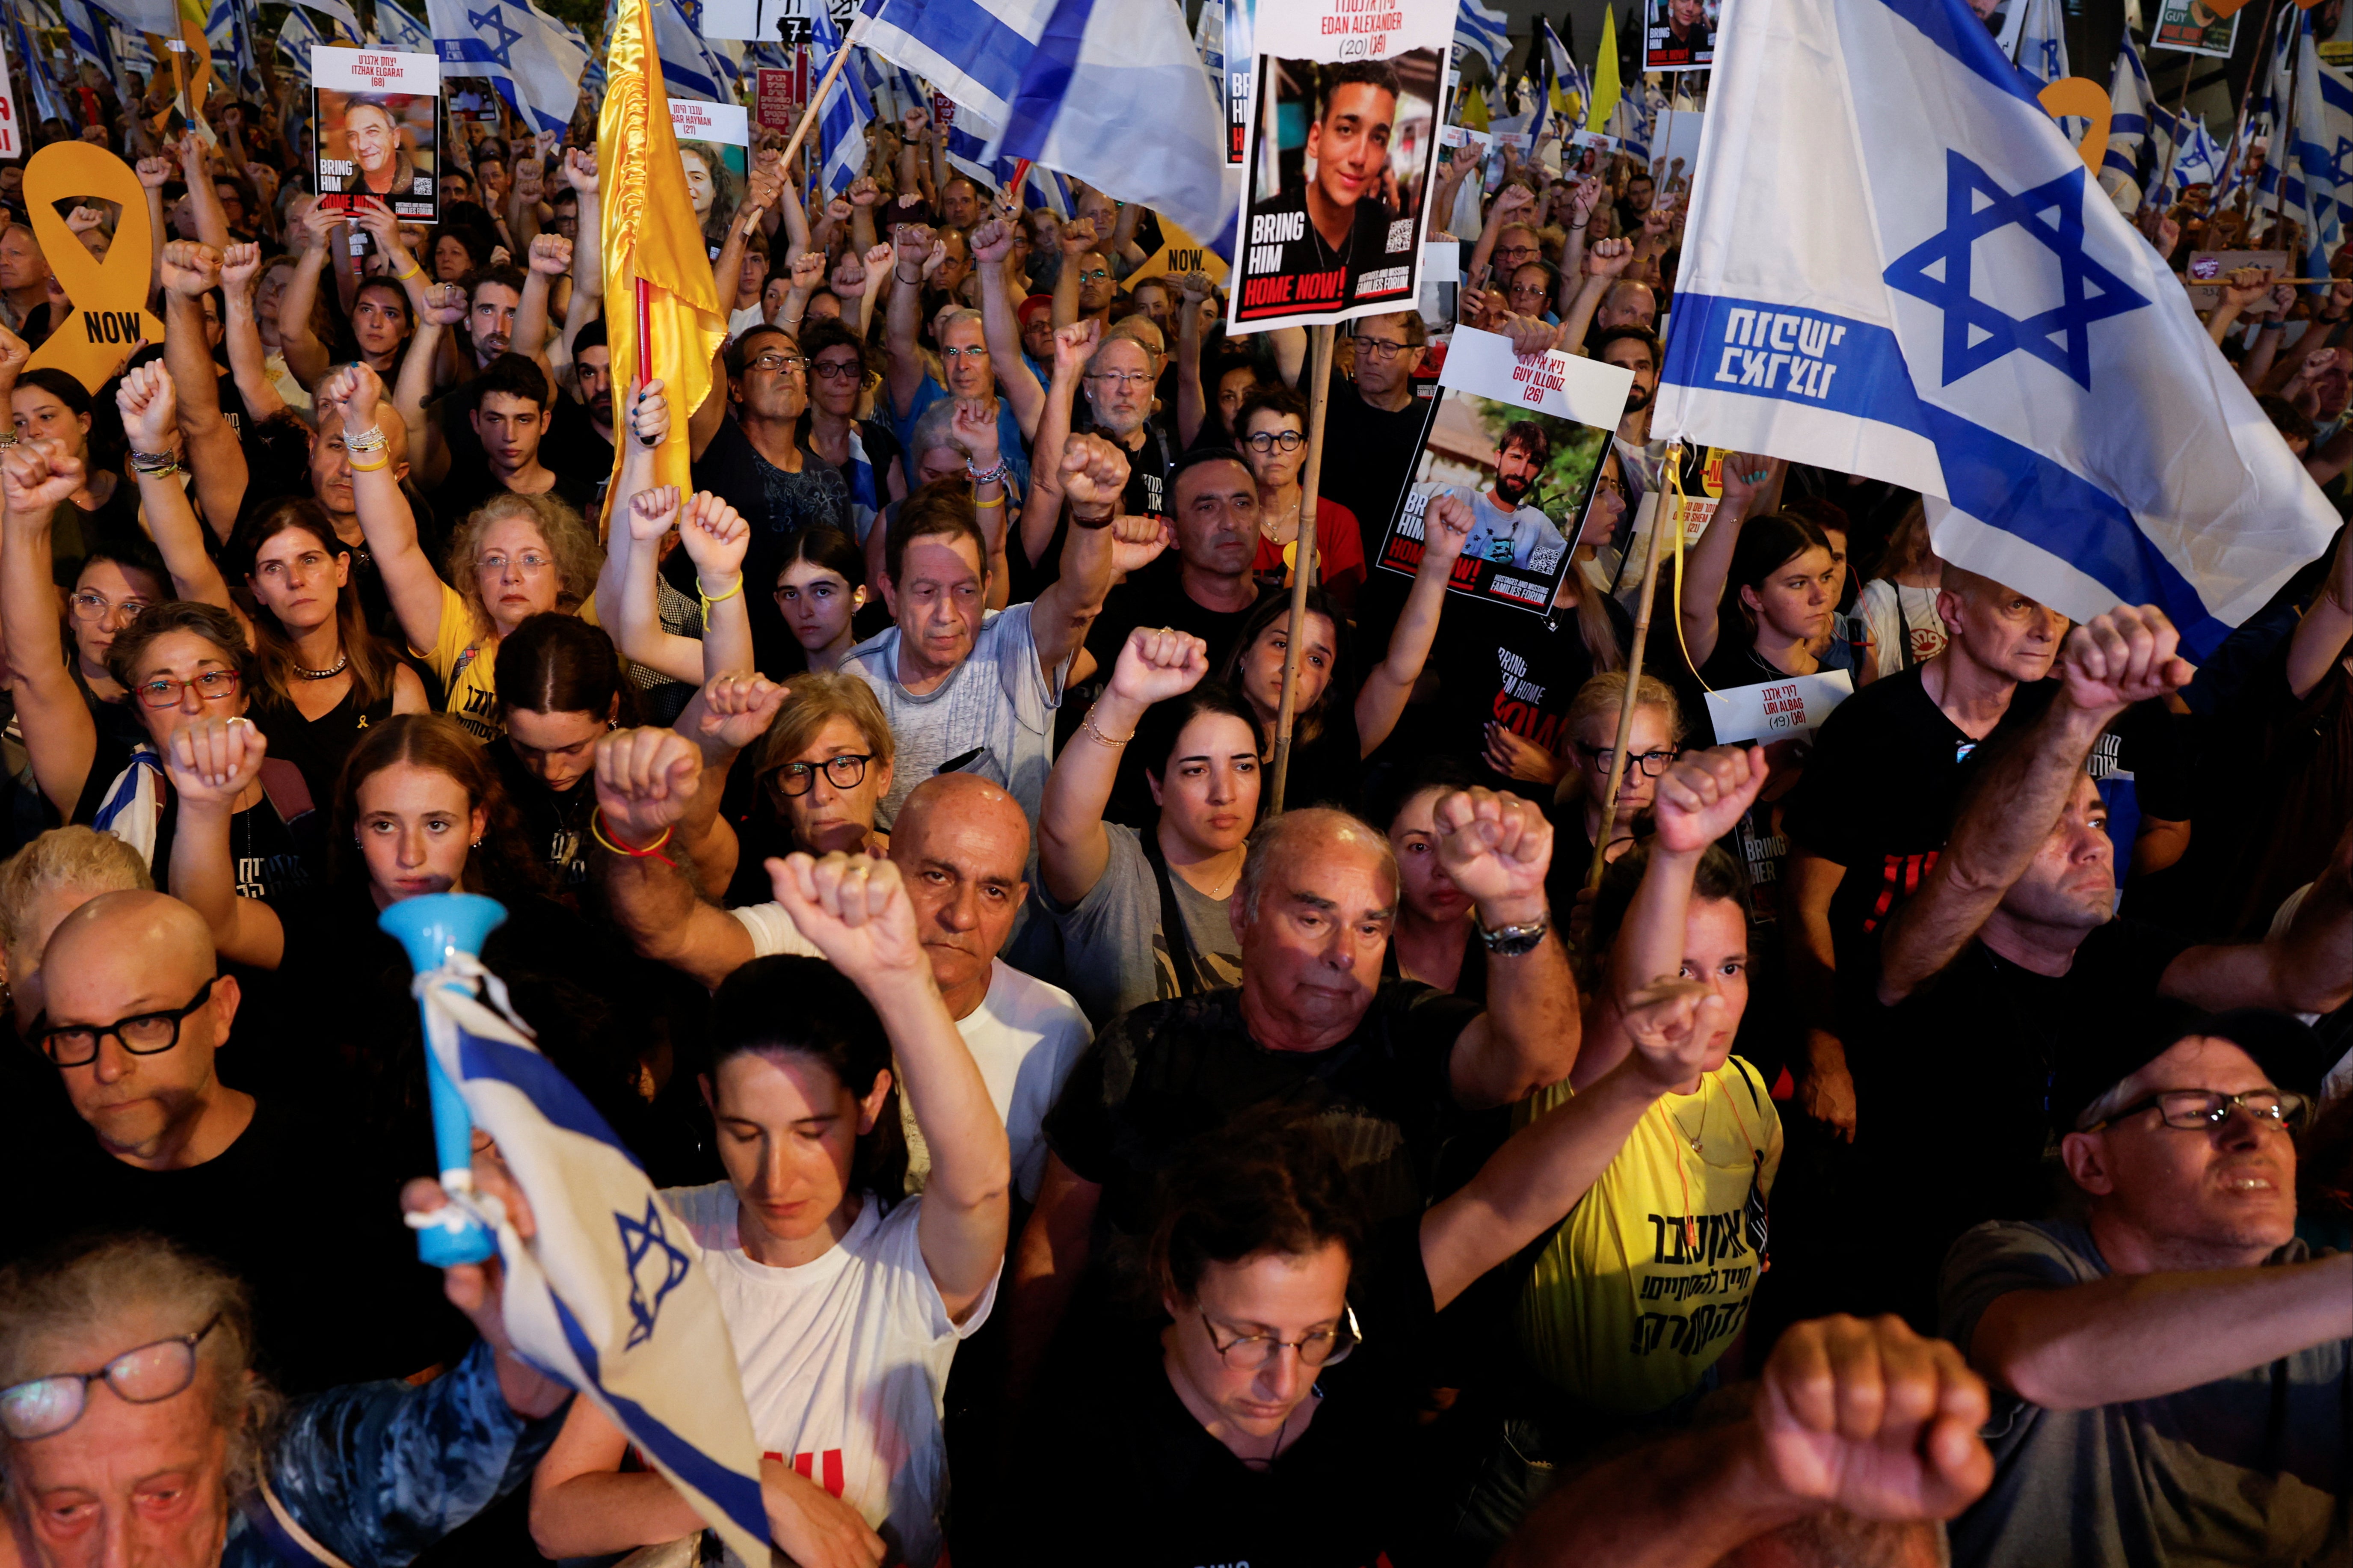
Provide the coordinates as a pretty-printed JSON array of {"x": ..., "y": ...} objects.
[{"x": 378, "y": 118}]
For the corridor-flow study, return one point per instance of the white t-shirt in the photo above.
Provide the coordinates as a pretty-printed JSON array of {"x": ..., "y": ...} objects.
[
  {"x": 997, "y": 701},
  {"x": 1026, "y": 1036},
  {"x": 740, "y": 321},
  {"x": 844, "y": 1361},
  {"x": 1898, "y": 614}
]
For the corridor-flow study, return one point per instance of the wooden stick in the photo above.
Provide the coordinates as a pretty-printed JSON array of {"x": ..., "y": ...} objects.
[
  {"x": 1661, "y": 519},
  {"x": 1302, "y": 561},
  {"x": 809, "y": 115}
]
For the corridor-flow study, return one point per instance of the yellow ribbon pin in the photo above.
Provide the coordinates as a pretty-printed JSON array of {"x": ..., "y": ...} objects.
[{"x": 109, "y": 293}]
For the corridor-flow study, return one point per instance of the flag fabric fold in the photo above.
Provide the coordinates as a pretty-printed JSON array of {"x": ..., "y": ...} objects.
[
  {"x": 397, "y": 29},
  {"x": 522, "y": 49},
  {"x": 1483, "y": 32},
  {"x": 2130, "y": 102},
  {"x": 1971, "y": 319},
  {"x": 606, "y": 1294},
  {"x": 1601, "y": 104},
  {"x": 845, "y": 111},
  {"x": 972, "y": 50},
  {"x": 649, "y": 232},
  {"x": 2308, "y": 152}
]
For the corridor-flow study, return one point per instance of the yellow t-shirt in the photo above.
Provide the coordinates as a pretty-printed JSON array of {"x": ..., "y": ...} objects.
[
  {"x": 468, "y": 665},
  {"x": 1650, "y": 1277}
]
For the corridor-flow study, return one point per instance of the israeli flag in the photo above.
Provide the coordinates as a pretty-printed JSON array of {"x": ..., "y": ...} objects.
[
  {"x": 972, "y": 50},
  {"x": 522, "y": 49},
  {"x": 1966, "y": 317},
  {"x": 1485, "y": 33},
  {"x": 232, "y": 44},
  {"x": 296, "y": 37},
  {"x": 2308, "y": 156},
  {"x": 843, "y": 116},
  {"x": 397, "y": 29},
  {"x": 1113, "y": 95},
  {"x": 604, "y": 1295},
  {"x": 2041, "y": 49},
  {"x": 688, "y": 69},
  {"x": 91, "y": 33},
  {"x": 2196, "y": 161},
  {"x": 1631, "y": 122},
  {"x": 2129, "y": 102}
]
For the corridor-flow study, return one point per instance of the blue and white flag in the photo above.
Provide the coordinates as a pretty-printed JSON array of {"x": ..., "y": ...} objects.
[
  {"x": 1485, "y": 33},
  {"x": 2042, "y": 50},
  {"x": 972, "y": 50},
  {"x": 606, "y": 1294},
  {"x": 90, "y": 31},
  {"x": 296, "y": 38},
  {"x": 228, "y": 28},
  {"x": 1966, "y": 316},
  {"x": 688, "y": 69},
  {"x": 2196, "y": 160},
  {"x": 2129, "y": 102},
  {"x": 522, "y": 49},
  {"x": 845, "y": 111},
  {"x": 397, "y": 29},
  {"x": 2310, "y": 156},
  {"x": 1113, "y": 95}
]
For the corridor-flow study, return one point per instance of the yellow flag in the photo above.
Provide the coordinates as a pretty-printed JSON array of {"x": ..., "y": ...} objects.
[
  {"x": 649, "y": 234},
  {"x": 1606, "y": 90},
  {"x": 1472, "y": 111}
]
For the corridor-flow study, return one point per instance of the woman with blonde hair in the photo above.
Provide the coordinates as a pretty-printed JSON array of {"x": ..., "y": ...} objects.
[
  {"x": 1583, "y": 793},
  {"x": 1899, "y": 605}
]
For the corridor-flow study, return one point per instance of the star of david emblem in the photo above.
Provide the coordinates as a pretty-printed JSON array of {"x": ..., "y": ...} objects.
[
  {"x": 1937, "y": 270},
  {"x": 495, "y": 22},
  {"x": 646, "y": 1242}
]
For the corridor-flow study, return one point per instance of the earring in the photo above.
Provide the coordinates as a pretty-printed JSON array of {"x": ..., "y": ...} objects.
[{"x": 477, "y": 843}]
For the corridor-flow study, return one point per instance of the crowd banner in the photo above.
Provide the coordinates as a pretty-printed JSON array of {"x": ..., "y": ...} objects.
[
  {"x": 2191, "y": 27},
  {"x": 379, "y": 114},
  {"x": 1341, "y": 142},
  {"x": 1520, "y": 441},
  {"x": 2087, "y": 452}
]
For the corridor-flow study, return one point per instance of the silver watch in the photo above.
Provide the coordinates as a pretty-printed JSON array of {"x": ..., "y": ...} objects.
[{"x": 1513, "y": 942}]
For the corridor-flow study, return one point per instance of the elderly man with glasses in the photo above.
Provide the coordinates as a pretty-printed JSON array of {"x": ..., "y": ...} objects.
[{"x": 2170, "y": 1372}]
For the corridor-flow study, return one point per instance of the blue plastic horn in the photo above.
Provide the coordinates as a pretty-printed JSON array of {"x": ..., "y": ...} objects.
[{"x": 431, "y": 928}]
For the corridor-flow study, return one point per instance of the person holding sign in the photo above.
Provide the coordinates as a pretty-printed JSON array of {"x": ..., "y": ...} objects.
[{"x": 1774, "y": 580}]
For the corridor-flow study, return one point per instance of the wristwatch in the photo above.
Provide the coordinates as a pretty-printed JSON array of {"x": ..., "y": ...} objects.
[{"x": 1513, "y": 942}]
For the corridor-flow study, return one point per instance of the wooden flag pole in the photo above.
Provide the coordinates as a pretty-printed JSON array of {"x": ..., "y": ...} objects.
[
  {"x": 1663, "y": 516},
  {"x": 1302, "y": 561},
  {"x": 809, "y": 115}
]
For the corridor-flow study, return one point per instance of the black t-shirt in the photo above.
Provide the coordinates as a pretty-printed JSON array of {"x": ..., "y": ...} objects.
[
  {"x": 1138, "y": 1480},
  {"x": 1369, "y": 457},
  {"x": 1504, "y": 667},
  {"x": 1156, "y": 597},
  {"x": 554, "y": 822},
  {"x": 1953, "y": 1082},
  {"x": 1879, "y": 792},
  {"x": 319, "y": 746},
  {"x": 776, "y": 505},
  {"x": 468, "y": 486},
  {"x": 1162, "y": 1073},
  {"x": 274, "y": 860},
  {"x": 574, "y": 446}
]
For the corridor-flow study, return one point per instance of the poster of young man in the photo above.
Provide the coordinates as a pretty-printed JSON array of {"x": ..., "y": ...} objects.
[
  {"x": 1520, "y": 442},
  {"x": 1343, "y": 133},
  {"x": 2189, "y": 26},
  {"x": 1680, "y": 34},
  {"x": 378, "y": 118}
]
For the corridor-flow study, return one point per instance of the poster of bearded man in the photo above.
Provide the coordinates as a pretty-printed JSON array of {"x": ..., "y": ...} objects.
[{"x": 377, "y": 115}]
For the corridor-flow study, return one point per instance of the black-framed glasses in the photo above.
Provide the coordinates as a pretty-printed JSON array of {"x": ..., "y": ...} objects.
[
  {"x": 212, "y": 686},
  {"x": 1653, "y": 763},
  {"x": 1518, "y": 252},
  {"x": 142, "y": 1034},
  {"x": 2202, "y": 1110},
  {"x": 843, "y": 772},
  {"x": 838, "y": 370},
  {"x": 1378, "y": 348},
  {"x": 44, "y": 1406},
  {"x": 1324, "y": 1347},
  {"x": 1266, "y": 441}
]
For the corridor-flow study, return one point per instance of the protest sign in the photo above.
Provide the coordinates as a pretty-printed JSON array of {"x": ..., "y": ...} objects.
[
  {"x": 2192, "y": 27},
  {"x": 726, "y": 124},
  {"x": 782, "y": 95},
  {"x": 1238, "y": 60},
  {"x": 109, "y": 292},
  {"x": 1773, "y": 710},
  {"x": 1680, "y": 34},
  {"x": 1179, "y": 254},
  {"x": 1504, "y": 435},
  {"x": 12, "y": 130},
  {"x": 2208, "y": 267},
  {"x": 378, "y": 115},
  {"x": 731, "y": 19},
  {"x": 1339, "y": 148},
  {"x": 2334, "y": 29}
]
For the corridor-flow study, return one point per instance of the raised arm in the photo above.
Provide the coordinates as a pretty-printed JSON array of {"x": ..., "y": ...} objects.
[
  {"x": 1709, "y": 563},
  {"x": 1496, "y": 847},
  {"x": 715, "y": 537},
  {"x": 1603, "y": 266},
  {"x": 155, "y": 173},
  {"x": 241, "y": 333},
  {"x": 306, "y": 356},
  {"x": 904, "y": 376},
  {"x": 1078, "y": 240},
  {"x": 992, "y": 241},
  {"x": 1380, "y": 702},
  {"x": 856, "y": 911},
  {"x": 428, "y": 454},
  {"x": 215, "y": 457},
  {"x": 647, "y": 782},
  {"x": 550, "y": 257},
  {"x": 211, "y": 762},
  {"x": 1101, "y": 545},
  {"x": 1154, "y": 666},
  {"x": 385, "y": 517},
  {"x": 376, "y": 217},
  {"x": 1041, "y": 509},
  {"x": 146, "y": 402},
  {"x": 1192, "y": 402},
  {"x": 59, "y": 735},
  {"x": 2321, "y": 638},
  {"x": 2109, "y": 663}
]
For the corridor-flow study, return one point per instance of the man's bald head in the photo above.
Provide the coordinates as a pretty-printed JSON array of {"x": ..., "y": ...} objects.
[
  {"x": 962, "y": 844},
  {"x": 135, "y": 935},
  {"x": 952, "y": 802}
]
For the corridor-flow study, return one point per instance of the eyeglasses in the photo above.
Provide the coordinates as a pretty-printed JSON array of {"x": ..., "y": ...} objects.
[
  {"x": 978, "y": 351},
  {"x": 2202, "y": 1110},
  {"x": 1325, "y": 1347},
  {"x": 1653, "y": 763},
  {"x": 775, "y": 363},
  {"x": 843, "y": 772},
  {"x": 142, "y": 1034},
  {"x": 147, "y": 1375},
  {"x": 1517, "y": 252},
  {"x": 1093, "y": 275},
  {"x": 1378, "y": 348},
  {"x": 212, "y": 686},
  {"x": 1124, "y": 380},
  {"x": 530, "y": 565},
  {"x": 839, "y": 370},
  {"x": 95, "y": 608},
  {"x": 1266, "y": 441}
]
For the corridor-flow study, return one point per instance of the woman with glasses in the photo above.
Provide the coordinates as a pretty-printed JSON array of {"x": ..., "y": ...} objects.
[
  {"x": 823, "y": 768},
  {"x": 1578, "y": 803},
  {"x": 1270, "y": 432},
  {"x": 845, "y": 1299},
  {"x": 515, "y": 557},
  {"x": 839, "y": 426}
]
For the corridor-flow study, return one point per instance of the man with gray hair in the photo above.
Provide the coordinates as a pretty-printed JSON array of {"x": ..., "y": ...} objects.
[{"x": 1390, "y": 1062}]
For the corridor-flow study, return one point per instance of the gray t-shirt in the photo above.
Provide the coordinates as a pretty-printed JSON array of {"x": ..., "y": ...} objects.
[
  {"x": 1523, "y": 537},
  {"x": 998, "y": 700},
  {"x": 2254, "y": 1467},
  {"x": 1117, "y": 954}
]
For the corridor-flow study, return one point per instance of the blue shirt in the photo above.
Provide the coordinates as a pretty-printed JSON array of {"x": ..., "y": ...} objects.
[{"x": 1009, "y": 433}]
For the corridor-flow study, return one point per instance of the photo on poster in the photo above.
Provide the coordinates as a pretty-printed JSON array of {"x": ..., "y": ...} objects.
[
  {"x": 2332, "y": 25},
  {"x": 2188, "y": 25},
  {"x": 1680, "y": 34},
  {"x": 379, "y": 133},
  {"x": 1342, "y": 140}
]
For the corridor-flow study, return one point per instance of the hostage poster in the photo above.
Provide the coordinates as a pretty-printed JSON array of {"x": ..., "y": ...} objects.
[
  {"x": 1340, "y": 140},
  {"x": 377, "y": 114},
  {"x": 1525, "y": 444}
]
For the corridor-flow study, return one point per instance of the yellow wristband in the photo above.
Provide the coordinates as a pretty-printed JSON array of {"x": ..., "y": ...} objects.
[
  {"x": 708, "y": 601},
  {"x": 413, "y": 270},
  {"x": 359, "y": 467},
  {"x": 984, "y": 505}
]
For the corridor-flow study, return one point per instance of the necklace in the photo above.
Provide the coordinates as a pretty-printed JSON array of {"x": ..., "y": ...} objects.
[
  {"x": 1272, "y": 526},
  {"x": 342, "y": 662},
  {"x": 1688, "y": 1137}
]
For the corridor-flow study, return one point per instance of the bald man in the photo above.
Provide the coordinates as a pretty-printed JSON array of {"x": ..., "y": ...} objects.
[
  {"x": 960, "y": 842},
  {"x": 138, "y": 1013}
]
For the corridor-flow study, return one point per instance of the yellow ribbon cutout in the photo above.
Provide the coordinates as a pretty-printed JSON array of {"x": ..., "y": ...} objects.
[{"x": 109, "y": 293}]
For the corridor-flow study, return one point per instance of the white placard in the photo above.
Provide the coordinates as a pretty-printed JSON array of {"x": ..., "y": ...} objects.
[
  {"x": 1569, "y": 386},
  {"x": 375, "y": 70},
  {"x": 1517, "y": 141},
  {"x": 738, "y": 19},
  {"x": 1788, "y": 710},
  {"x": 1441, "y": 261},
  {"x": 12, "y": 130},
  {"x": 695, "y": 120},
  {"x": 1353, "y": 29}
]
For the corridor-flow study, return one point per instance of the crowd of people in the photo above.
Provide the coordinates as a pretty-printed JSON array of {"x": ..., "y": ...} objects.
[{"x": 1527, "y": 1139}]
